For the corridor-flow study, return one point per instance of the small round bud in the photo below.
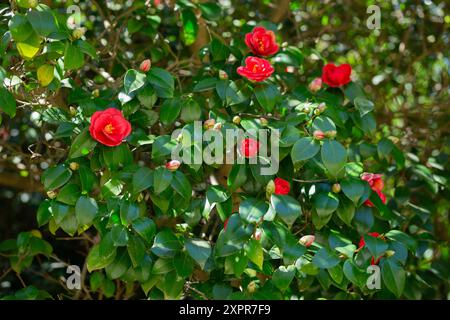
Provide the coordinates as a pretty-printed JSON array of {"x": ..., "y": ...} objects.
[
  {"x": 180, "y": 137},
  {"x": 331, "y": 134},
  {"x": 263, "y": 121},
  {"x": 209, "y": 124},
  {"x": 140, "y": 197},
  {"x": 96, "y": 93},
  {"x": 336, "y": 188},
  {"x": 306, "y": 110},
  {"x": 173, "y": 165},
  {"x": 145, "y": 65},
  {"x": 74, "y": 166},
  {"x": 73, "y": 111},
  {"x": 51, "y": 194},
  {"x": 318, "y": 135},
  {"x": 223, "y": 75},
  {"x": 251, "y": 287},
  {"x": 236, "y": 120},
  {"x": 307, "y": 240},
  {"x": 78, "y": 33},
  {"x": 389, "y": 253},
  {"x": 315, "y": 85},
  {"x": 257, "y": 235},
  {"x": 321, "y": 107},
  {"x": 270, "y": 188}
]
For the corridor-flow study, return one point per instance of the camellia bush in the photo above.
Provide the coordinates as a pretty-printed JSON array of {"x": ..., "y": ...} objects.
[{"x": 328, "y": 223}]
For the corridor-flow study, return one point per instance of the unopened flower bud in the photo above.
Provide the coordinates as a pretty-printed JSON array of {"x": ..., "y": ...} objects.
[
  {"x": 51, "y": 194},
  {"x": 315, "y": 85},
  {"x": 218, "y": 126},
  {"x": 308, "y": 240},
  {"x": 73, "y": 111},
  {"x": 318, "y": 135},
  {"x": 96, "y": 93},
  {"x": 74, "y": 166},
  {"x": 236, "y": 120},
  {"x": 306, "y": 109},
  {"x": 389, "y": 253},
  {"x": 336, "y": 188},
  {"x": 251, "y": 287},
  {"x": 173, "y": 165},
  {"x": 257, "y": 235},
  {"x": 78, "y": 33},
  {"x": 270, "y": 189},
  {"x": 209, "y": 124},
  {"x": 223, "y": 75},
  {"x": 145, "y": 65},
  {"x": 263, "y": 121},
  {"x": 180, "y": 137},
  {"x": 331, "y": 134},
  {"x": 140, "y": 197},
  {"x": 321, "y": 107}
]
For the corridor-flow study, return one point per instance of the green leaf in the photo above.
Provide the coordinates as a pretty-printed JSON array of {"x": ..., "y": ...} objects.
[
  {"x": 402, "y": 237},
  {"x": 325, "y": 258},
  {"x": 86, "y": 209},
  {"x": 116, "y": 157},
  {"x": 287, "y": 208},
  {"x": 145, "y": 227},
  {"x": 147, "y": 96},
  {"x": 393, "y": 276},
  {"x": 82, "y": 145},
  {"x": 7, "y": 102},
  {"x": 376, "y": 246},
  {"x": 236, "y": 263},
  {"x": 20, "y": 28},
  {"x": 363, "y": 105},
  {"x": 283, "y": 276},
  {"x": 219, "y": 51},
  {"x": 237, "y": 177},
  {"x": 216, "y": 194},
  {"x": 190, "y": 26},
  {"x": 133, "y": 81},
  {"x": 120, "y": 265},
  {"x": 170, "y": 110},
  {"x": 162, "y": 178},
  {"x": 267, "y": 95},
  {"x": 101, "y": 254},
  {"x": 119, "y": 235},
  {"x": 166, "y": 244},
  {"x": 43, "y": 22},
  {"x": 304, "y": 149},
  {"x": 252, "y": 210},
  {"x": 55, "y": 177},
  {"x": 353, "y": 189},
  {"x": 255, "y": 252},
  {"x": 43, "y": 213},
  {"x": 346, "y": 210},
  {"x": 181, "y": 185},
  {"x": 325, "y": 204},
  {"x": 142, "y": 179},
  {"x": 210, "y": 10},
  {"x": 136, "y": 250},
  {"x": 73, "y": 57},
  {"x": 334, "y": 157},
  {"x": 199, "y": 250},
  {"x": 129, "y": 212},
  {"x": 184, "y": 265},
  {"x": 205, "y": 84},
  {"x": 190, "y": 111},
  {"x": 162, "y": 81},
  {"x": 355, "y": 274}
]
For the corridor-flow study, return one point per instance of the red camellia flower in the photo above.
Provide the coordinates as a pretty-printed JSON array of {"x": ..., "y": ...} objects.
[
  {"x": 336, "y": 76},
  {"x": 256, "y": 69},
  {"x": 376, "y": 184},
  {"x": 109, "y": 127},
  {"x": 281, "y": 186},
  {"x": 249, "y": 147},
  {"x": 261, "y": 42},
  {"x": 362, "y": 243}
]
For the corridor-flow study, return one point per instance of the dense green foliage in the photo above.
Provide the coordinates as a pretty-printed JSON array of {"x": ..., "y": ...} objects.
[{"x": 140, "y": 230}]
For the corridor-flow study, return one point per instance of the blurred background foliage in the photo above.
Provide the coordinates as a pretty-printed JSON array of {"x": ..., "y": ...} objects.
[{"x": 404, "y": 66}]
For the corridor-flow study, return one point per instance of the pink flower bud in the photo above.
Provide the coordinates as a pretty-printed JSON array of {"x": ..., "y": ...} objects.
[
  {"x": 318, "y": 135},
  {"x": 315, "y": 85},
  {"x": 173, "y": 165},
  {"x": 209, "y": 124},
  {"x": 145, "y": 65},
  {"x": 223, "y": 75},
  {"x": 217, "y": 126},
  {"x": 308, "y": 240},
  {"x": 257, "y": 235}
]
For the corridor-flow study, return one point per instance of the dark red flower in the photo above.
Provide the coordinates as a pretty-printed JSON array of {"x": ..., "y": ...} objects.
[
  {"x": 256, "y": 69},
  {"x": 336, "y": 76},
  {"x": 109, "y": 127},
  {"x": 249, "y": 147},
  {"x": 261, "y": 42},
  {"x": 281, "y": 186}
]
